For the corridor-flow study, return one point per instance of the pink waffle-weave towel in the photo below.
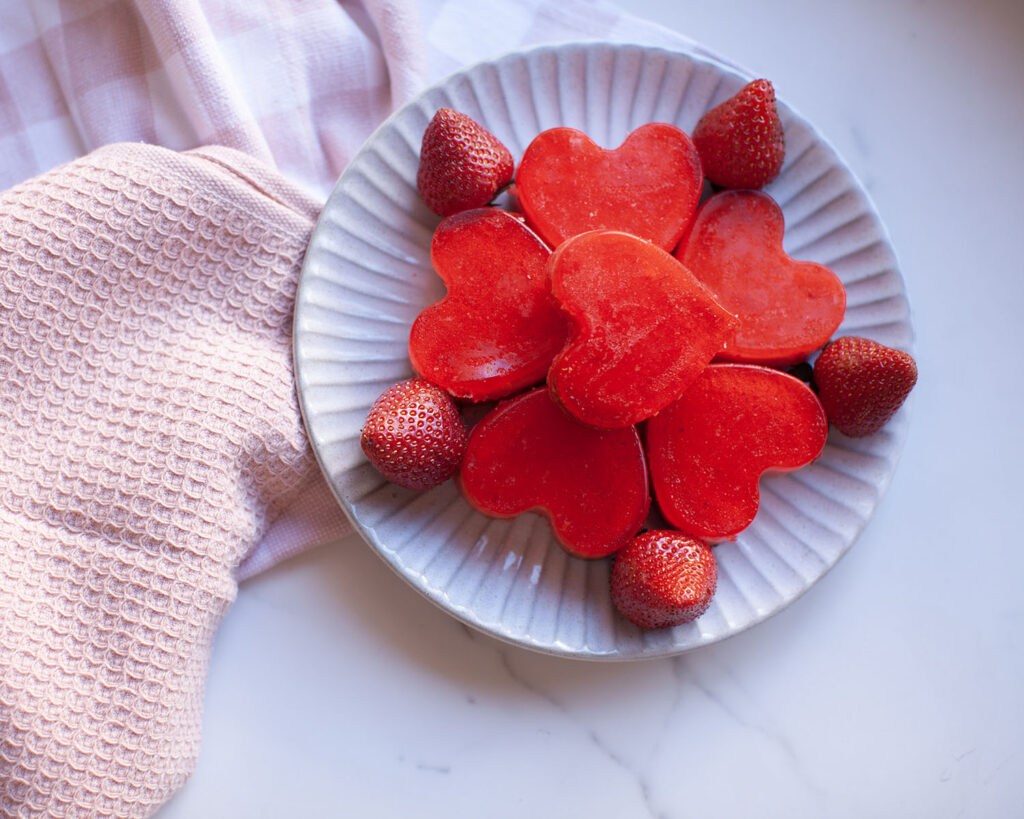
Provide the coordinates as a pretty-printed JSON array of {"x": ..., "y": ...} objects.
[{"x": 149, "y": 436}]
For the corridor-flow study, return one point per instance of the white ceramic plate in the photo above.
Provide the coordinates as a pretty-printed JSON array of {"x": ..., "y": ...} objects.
[{"x": 367, "y": 275}]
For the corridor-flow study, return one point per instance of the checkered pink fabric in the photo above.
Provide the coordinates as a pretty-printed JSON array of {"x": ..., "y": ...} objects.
[
  {"x": 151, "y": 451},
  {"x": 298, "y": 85}
]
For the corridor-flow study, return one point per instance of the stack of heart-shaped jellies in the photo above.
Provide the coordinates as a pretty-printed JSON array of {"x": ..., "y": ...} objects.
[{"x": 634, "y": 337}]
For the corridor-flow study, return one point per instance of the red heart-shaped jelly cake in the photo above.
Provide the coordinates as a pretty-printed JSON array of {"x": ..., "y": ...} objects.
[
  {"x": 497, "y": 328},
  {"x": 787, "y": 308},
  {"x": 708, "y": 450},
  {"x": 649, "y": 186},
  {"x": 641, "y": 328},
  {"x": 529, "y": 455}
]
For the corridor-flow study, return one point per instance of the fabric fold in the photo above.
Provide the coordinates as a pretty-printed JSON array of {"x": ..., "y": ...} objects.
[{"x": 149, "y": 438}]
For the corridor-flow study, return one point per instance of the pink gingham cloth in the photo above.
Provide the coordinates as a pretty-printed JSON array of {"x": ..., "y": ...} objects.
[{"x": 163, "y": 164}]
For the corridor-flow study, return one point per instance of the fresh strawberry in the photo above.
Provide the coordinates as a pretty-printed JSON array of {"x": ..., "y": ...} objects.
[
  {"x": 740, "y": 141},
  {"x": 462, "y": 164},
  {"x": 862, "y": 383},
  {"x": 414, "y": 435},
  {"x": 663, "y": 578}
]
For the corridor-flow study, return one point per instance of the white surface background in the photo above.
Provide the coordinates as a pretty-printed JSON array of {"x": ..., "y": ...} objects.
[{"x": 891, "y": 689}]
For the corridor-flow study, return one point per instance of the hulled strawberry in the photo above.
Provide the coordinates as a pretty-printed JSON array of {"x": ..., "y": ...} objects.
[
  {"x": 462, "y": 164},
  {"x": 862, "y": 383},
  {"x": 414, "y": 435},
  {"x": 740, "y": 141},
  {"x": 663, "y": 578}
]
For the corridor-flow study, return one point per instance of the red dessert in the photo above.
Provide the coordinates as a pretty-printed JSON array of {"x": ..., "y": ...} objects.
[
  {"x": 787, "y": 308},
  {"x": 642, "y": 328},
  {"x": 649, "y": 186},
  {"x": 707, "y": 450},
  {"x": 497, "y": 329},
  {"x": 527, "y": 454}
]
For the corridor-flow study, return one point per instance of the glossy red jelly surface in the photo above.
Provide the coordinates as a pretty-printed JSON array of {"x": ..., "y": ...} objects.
[
  {"x": 707, "y": 451},
  {"x": 497, "y": 328},
  {"x": 787, "y": 308},
  {"x": 649, "y": 186},
  {"x": 641, "y": 328},
  {"x": 528, "y": 454}
]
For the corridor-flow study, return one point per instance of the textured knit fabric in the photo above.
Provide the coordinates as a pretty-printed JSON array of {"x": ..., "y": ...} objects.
[{"x": 149, "y": 432}]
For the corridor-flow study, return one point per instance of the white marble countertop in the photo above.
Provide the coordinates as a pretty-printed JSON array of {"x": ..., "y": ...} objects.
[{"x": 892, "y": 689}]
